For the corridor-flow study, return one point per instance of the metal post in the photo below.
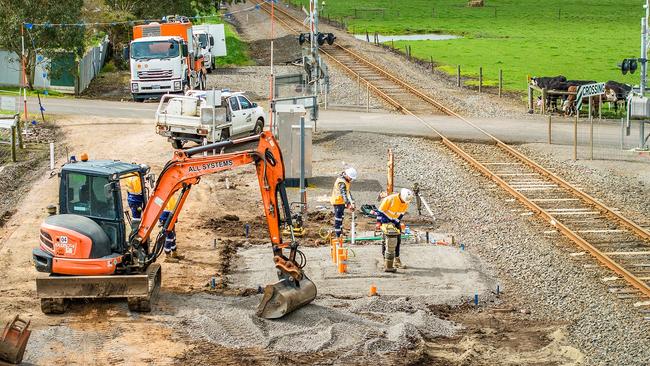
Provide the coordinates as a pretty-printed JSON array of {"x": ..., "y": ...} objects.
[
  {"x": 13, "y": 143},
  {"x": 544, "y": 101},
  {"x": 303, "y": 192},
  {"x": 358, "y": 89},
  {"x": 591, "y": 132},
  {"x": 480, "y": 79},
  {"x": 600, "y": 106},
  {"x": 622, "y": 132},
  {"x": 531, "y": 105},
  {"x": 500, "y": 82},
  {"x": 458, "y": 76},
  {"x": 368, "y": 97},
  {"x": 644, "y": 42},
  {"x": 641, "y": 135},
  {"x": 391, "y": 168},
  {"x": 575, "y": 138},
  {"x": 550, "y": 134},
  {"x": 51, "y": 155}
]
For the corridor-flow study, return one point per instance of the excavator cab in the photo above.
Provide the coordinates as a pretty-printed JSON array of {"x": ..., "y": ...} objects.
[{"x": 89, "y": 235}]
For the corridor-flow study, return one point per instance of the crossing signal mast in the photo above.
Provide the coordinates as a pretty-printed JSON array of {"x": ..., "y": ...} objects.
[
  {"x": 317, "y": 75},
  {"x": 638, "y": 105}
]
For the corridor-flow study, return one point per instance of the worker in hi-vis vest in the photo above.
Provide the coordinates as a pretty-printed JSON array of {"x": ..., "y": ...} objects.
[
  {"x": 134, "y": 195},
  {"x": 389, "y": 219},
  {"x": 342, "y": 198},
  {"x": 171, "y": 254}
]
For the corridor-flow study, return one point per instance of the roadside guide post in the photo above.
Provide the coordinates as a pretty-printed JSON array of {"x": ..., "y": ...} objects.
[{"x": 590, "y": 91}]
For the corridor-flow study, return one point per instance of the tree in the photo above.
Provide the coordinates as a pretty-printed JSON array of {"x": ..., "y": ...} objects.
[{"x": 48, "y": 41}]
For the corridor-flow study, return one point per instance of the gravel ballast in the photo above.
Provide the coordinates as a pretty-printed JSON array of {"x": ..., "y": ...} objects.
[{"x": 548, "y": 282}]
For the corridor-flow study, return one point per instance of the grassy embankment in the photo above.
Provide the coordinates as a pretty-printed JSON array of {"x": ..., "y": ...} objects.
[
  {"x": 237, "y": 49},
  {"x": 580, "y": 39}
]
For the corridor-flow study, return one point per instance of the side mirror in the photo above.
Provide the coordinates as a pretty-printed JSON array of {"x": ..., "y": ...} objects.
[
  {"x": 184, "y": 50},
  {"x": 151, "y": 180},
  {"x": 211, "y": 41},
  {"x": 254, "y": 105},
  {"x": 109, "y": 189},
  {"x": 126, "y": 52}
]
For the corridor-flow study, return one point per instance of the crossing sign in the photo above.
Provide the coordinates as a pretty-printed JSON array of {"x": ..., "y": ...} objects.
[{"x": 588, "y": 90}]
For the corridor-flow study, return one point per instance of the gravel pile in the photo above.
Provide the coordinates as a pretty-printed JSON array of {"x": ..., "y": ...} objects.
[
  {"x": 549, "y": 283},
  {"x": 348, "y": 326}
]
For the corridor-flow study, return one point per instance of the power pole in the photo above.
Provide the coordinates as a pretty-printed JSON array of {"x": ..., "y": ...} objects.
[{"x": 644, "y": 47}]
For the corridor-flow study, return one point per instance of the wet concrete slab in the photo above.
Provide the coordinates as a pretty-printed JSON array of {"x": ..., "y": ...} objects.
[{"x": 440, "y": 273}]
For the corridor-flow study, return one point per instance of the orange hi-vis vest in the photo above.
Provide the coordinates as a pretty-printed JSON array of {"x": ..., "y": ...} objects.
[
  {"x": 337, "y": 198},
  {"x": 392, "y": 206}
]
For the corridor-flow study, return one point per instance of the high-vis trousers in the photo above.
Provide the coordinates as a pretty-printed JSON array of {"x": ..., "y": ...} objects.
[
  {"x": 170, "y": 236},
  {"x": 339, "y": 210}
]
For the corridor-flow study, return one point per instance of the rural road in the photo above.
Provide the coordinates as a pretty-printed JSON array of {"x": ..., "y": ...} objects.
[{"x": 511, "y": 131}]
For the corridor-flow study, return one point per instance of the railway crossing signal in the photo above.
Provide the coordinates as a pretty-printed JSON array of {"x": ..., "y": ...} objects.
[
  {"x": 321, "y": 38},
  {"x": 630, "y": 65}
]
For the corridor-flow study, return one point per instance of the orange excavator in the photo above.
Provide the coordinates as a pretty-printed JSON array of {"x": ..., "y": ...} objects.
[{"x": 87, "y": 254}]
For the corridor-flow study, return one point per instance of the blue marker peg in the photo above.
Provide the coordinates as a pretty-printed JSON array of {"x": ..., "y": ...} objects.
[{"x": 476, "y": 299}]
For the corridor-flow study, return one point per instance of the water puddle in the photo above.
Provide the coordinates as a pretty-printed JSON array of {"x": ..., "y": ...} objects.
[{"x": 409, "y": 37}]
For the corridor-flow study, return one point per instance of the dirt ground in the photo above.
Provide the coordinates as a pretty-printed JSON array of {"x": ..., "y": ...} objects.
[{"x": 105, "y": 332}]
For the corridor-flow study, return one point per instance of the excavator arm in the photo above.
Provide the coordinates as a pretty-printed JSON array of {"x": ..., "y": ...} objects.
[{"x": 186, "y": 168}]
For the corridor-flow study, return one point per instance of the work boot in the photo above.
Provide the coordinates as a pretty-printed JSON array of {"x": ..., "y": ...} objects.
[
  {"x": 388, "y": 266},
  {"x": 170, "y": 258},
  {"x": 177, "y": 256},
  {"x": 397, "y": 263}
]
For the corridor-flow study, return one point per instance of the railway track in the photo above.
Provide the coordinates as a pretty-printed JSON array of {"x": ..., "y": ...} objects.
[{"x": 615, "y": 241}]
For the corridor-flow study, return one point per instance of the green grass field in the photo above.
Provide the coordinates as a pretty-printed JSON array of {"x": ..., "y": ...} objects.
[
  {"x": 237, "y": 49},
  {"x": 581, "y": 39}
]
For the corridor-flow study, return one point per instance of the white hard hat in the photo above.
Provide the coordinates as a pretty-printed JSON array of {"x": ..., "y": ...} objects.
[
  {"x": 351, "y": 173},
  {"x": 406, "y": 195}
]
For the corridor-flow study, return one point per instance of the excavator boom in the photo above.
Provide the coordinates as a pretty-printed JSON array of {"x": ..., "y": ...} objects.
[{"x": 294, "y": 289}]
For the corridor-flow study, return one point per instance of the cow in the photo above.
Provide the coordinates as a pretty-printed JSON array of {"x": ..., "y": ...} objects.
[
  {"x": 617, "y": 93},
  {"x": 549, "y": 83},
  {"x": 544, "y": 82},
  {"x": 569, "y": 105}
]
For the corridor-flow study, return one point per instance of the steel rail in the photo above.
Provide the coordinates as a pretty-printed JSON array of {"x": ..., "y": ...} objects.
[{"x": 553, "y": 221}]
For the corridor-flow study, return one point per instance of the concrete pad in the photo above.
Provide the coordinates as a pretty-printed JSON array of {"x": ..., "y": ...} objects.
[{"x": 439, "y": 274}]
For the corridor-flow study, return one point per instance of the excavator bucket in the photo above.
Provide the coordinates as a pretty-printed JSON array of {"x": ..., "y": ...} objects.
[
  {"x": 285, "y": 296},
  {"x": 14, "y": 340}
]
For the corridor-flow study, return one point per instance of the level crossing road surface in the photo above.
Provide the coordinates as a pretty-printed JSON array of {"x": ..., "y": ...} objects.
[{"x": 525, "y": 130}]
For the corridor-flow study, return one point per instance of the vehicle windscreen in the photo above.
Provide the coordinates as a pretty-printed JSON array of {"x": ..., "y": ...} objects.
[
  {"x": 203, "y": 40},
  {"x": 154, "y": 49},
  {"x": 86, "y": 196}
]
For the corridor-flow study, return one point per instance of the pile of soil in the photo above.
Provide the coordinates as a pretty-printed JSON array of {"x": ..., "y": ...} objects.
[
  {"x": 286, "y": 50},
  {"x": 109, "y": 86}
]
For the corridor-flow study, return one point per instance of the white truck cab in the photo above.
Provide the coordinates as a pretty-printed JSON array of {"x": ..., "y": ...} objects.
[
  {"x": 207, "y": 116},
  {"x": 212, "y": 43}
]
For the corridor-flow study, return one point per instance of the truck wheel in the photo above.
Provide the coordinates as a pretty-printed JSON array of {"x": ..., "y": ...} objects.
[
  {"x": 177, "y": 144},
  {"x": 225, "y": 134},
  {"x": 209, "y": 70},
  {"x": 138, "y": 100},
  {"x": 203, "y": 80},
  {"x": 259, "y": 127}
]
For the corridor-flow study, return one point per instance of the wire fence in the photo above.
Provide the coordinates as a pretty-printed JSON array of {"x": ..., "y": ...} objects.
[
  {"x": 600, "y": 139},
  {"x": 395, "y": 10}
]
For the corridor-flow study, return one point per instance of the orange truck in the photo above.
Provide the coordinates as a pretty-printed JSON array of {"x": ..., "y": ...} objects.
[{"x": 165, "y": 57}]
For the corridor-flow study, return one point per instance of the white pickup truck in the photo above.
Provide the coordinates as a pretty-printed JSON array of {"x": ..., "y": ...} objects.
[{"x": 207, "y": 116}]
